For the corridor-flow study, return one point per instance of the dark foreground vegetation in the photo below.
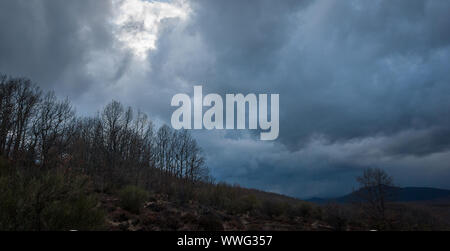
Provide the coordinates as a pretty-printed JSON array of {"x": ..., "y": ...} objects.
[{"x": 115, "y": 171}]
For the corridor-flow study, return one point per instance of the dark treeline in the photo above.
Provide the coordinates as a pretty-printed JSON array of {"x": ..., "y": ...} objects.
[
  {"x": 56, "y": 166},
  {"x": 118, "y": 146}
]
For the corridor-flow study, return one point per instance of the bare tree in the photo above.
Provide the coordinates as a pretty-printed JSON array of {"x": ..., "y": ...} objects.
[
  {"x": 375, "y": 191},
  {"x": 53, "y": 128},
  {"x": 117, "y": 146},
  {"x": 18, "y": 102}
]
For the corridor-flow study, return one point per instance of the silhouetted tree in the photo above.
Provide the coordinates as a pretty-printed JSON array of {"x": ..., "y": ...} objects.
[
  {"x": 375, "y": 191},
  {"x": 118, "y": 146}
]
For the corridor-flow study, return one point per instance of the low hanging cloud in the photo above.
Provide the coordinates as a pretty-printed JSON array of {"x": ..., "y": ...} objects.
[{"x": 361, "y": 83}]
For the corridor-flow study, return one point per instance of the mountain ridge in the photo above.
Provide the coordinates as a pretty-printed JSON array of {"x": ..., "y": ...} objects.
[{"x": 401, "y": 194}]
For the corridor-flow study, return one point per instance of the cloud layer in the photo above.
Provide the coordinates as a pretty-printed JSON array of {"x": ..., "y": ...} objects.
[{"x": 361, "y": 84}]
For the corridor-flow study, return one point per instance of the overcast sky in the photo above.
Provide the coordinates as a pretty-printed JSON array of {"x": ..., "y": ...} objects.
[{"x": 361, "y": 83}]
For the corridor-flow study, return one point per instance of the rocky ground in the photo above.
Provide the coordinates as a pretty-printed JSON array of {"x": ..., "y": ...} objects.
[{"x": 159, "y": 214}]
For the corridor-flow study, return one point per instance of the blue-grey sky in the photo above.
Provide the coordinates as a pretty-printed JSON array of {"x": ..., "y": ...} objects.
[{"x": 361, "y": 83}]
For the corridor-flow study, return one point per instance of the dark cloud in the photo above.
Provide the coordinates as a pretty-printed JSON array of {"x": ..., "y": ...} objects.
[
  {"x": 52, "y": 41},
  {"x": 420, "y": 143},
  {"x": 347, "y": 72},
  {"x": 361, "y": 84}
]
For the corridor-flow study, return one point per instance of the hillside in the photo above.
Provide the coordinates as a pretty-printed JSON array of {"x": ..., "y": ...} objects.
[
  {"x": 232, "y": 208},
  {"x": 160, "y": 213},
  {"x": 117, "y": 171}
]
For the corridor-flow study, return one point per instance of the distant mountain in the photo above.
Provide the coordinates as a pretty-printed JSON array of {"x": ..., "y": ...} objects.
[
  {"x": 320, "y": 200},
  {"x": 400, "y": 194}
]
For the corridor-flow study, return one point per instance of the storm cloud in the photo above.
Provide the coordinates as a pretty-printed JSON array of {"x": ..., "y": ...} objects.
[{"x": 361, "y": 83}]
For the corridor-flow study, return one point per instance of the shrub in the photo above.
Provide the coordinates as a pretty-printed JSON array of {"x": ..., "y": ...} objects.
[
  {"x": 47, "y": 201},
  {"x": 210, "y": 222},
  {"x": 245, "y": 204},
  {"x": 273, "y": 208},
  {"x": 304, "y": 210},
  {"x": 132, "y": 198},
  {"x": 76, "y": 214},
  {"x": 336, "y": 216}
]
